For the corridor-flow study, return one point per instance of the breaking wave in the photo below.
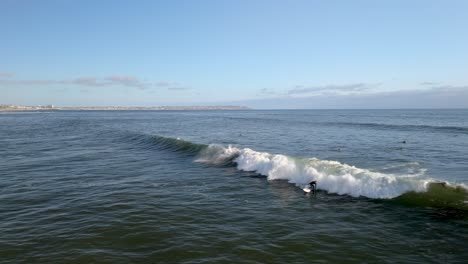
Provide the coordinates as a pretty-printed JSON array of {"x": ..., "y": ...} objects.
[{"x": 331, "y": 176}]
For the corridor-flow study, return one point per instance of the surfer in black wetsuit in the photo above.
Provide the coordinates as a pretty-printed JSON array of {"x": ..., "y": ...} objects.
[{"x": 313, "y": 186}]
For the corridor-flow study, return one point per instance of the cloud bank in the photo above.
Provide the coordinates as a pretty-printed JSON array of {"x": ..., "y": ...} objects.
[
  {"x": 362, "y": 96},
  {"x": 6, "y": 74},
  {"x": 331, "y": 89},
  {"x": 91, "y": 81},
  {"x": 172, "y": 86}
]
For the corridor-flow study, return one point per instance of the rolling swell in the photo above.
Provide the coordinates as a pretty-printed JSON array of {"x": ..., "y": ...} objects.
[
  {"x": 177, "y": 145},
  {"x": 437, "y": 194},
  {"x": 372, "y": 125},
  {"x": 380, "y": 126},
  {"x": 332, "y": 176},
  {"x": 165, "y": 144}
]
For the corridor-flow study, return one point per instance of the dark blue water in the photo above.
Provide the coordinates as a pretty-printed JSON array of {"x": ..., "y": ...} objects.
[{"x": 226, "y": 186}]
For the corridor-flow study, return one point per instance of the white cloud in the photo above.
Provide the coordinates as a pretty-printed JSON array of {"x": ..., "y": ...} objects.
[
  {"x": 178, "y": 88},
  {"x": 91, "y": 81},
  {"x": 86, "y": 81},
  {"x": 126, "y": 80},
  {"x": 331, "y": 89},
  {"x": 266, "y": 91},
  {"x": 429, "y": 83},
  {"x": 165, "y": 84},
  {"x": 6, "y": 74}
]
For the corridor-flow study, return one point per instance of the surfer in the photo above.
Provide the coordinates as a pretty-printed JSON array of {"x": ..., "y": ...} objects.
[{"x": 313, "y": 186}]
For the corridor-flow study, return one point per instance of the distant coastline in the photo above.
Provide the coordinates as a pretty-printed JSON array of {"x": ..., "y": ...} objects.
[{"x": 118, "y": 108}]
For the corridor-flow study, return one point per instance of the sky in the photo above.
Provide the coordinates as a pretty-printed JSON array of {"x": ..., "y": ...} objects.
[{"x": 262, "y": 54}]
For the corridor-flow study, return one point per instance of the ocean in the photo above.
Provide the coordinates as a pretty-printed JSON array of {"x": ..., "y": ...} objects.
[{"x": 226, "y": 186}]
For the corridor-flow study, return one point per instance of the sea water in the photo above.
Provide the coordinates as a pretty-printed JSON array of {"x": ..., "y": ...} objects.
[{"x": 226, "y": 186}]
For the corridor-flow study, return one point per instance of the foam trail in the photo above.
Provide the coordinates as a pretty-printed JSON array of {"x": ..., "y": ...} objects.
[{"x": 331, "y": 176}]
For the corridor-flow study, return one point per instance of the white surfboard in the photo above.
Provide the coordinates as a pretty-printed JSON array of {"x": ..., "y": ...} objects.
[{"x": 306, "y": 189}]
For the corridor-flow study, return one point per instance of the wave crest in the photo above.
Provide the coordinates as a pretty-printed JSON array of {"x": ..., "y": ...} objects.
[{"x": 331, "y": 176}]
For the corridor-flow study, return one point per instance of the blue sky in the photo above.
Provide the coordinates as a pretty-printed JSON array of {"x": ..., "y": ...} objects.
[{"x": 263, "y": 54}]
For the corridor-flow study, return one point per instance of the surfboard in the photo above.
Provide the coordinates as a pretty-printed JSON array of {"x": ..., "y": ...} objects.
[{"x": 306, "y": 189}]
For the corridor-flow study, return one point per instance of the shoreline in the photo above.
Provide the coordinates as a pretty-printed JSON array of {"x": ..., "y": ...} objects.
[{"x": 121, "y": 108}]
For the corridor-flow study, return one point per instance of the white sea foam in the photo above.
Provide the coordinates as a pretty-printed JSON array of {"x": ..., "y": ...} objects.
[
  {"x": 217, "y": 154},
  {"x": 331, "y": 176}
]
